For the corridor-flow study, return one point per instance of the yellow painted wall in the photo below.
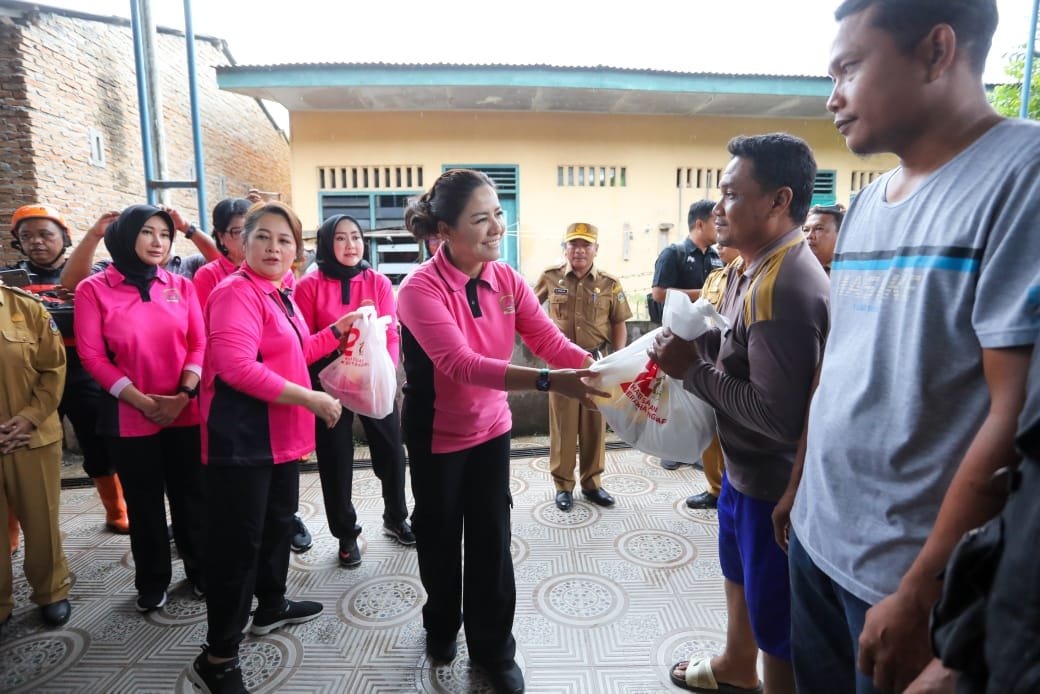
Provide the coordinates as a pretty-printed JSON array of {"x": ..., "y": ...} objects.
[{"x": 650, "y": 147}]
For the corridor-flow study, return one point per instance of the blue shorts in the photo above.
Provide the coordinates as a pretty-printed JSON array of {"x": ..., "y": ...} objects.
[{"x": 751, "y": 558}]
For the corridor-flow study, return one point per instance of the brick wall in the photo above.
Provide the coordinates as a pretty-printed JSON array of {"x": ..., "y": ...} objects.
[
  {"x": 72, "y": 75},
  {"x": 17, "y": 173}
]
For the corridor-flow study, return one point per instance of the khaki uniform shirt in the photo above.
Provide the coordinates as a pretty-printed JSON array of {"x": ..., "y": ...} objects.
[
  {"x": 584, "y": 309},
  {"x": 715, "y": 286},
  {"x": 32, "y": 365}
]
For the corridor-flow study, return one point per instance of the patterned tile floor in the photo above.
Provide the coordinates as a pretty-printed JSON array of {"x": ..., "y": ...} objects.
[{"x": 607, "y": 599}]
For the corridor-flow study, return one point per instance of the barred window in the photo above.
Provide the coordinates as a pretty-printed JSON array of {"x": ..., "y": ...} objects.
[
  {"x": 699, "y": 178},
  {"x": 586, "y": 176},
  {"x": 383, "y": 177},
  {"x": 862, "y": 179}
]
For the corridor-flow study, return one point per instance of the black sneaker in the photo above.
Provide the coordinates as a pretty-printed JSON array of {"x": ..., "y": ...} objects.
[
  {"x": 442, "y": 650},
  {"x": 217, "y": 678},
  {"x": 350, "y": 553},
  {"x": 149, "y": 602},
  {"x": 402, "y": 532},
  {"x": 505, "y": 678},
  {"x": 301, "y": 539},
  {"x": 266, "y": 621}
]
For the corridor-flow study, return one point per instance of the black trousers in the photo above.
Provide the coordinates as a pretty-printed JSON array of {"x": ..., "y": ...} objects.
[
  {"x": 250, "y": 524},
  {"x": 150, "y": 466},
  {"x": 466, "y": 493},
  {"x": 81, "y": 402},
  {"x": 335, "y": 453}
]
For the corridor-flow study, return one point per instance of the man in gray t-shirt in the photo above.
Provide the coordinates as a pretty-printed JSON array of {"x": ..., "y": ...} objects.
[{"x": 930, "y": 339}]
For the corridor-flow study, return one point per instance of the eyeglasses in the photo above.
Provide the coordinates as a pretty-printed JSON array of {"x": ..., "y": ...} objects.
[{"x": 233, "y": 233}]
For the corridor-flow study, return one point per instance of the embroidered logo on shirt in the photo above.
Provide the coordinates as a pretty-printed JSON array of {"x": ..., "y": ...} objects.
[
  {"x": 172, "y": 295},
  {"x": 506, "y": 302}
]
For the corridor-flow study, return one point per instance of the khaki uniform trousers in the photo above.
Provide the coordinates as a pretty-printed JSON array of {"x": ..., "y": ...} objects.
[
  {"x": 571, "y": 423},
  {"x": 713, "y": 464},
  {"x": 30, "y": 484}
]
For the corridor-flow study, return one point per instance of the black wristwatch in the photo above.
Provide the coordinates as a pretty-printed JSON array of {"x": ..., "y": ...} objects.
[
  {"x": 190, "y": 231},
  {"x": 543, "y": 383},
  {"x": 190, "y": 392}
]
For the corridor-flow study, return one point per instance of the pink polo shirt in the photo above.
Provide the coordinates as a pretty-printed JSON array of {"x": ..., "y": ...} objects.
[
  {"x": 123, "y": 340},
  {"x": 320, "y": 299},
  {"x": 209, "y": 276},
  {"x": 255, "y": 347},
  {"x": 458, "y": 337}
]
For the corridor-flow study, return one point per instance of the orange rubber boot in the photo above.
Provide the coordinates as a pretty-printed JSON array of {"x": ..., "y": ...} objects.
[
  {"x": 12, "y": 530},
  {"x": 111, "y": 493}
]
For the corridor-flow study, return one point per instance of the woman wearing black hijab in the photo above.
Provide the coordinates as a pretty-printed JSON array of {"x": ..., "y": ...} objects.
[
  {"x": 344, "y": 282},
  {"x": 140, "y": 334}
]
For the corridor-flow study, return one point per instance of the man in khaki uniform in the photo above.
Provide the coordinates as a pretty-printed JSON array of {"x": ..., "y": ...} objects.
[
  {"x": 32, "y": 376},
  {"x": 589, "y": 306}
]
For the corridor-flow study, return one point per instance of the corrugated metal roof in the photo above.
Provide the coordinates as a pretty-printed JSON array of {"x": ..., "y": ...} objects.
[
  {"x": 517, "y": 66},
  {"x": 533, "y": 87}
]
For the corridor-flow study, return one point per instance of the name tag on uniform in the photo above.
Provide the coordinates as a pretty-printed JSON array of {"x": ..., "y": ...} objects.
[
  {"x": 717, "y": 262},
  {"x": 559, "y": 290}
]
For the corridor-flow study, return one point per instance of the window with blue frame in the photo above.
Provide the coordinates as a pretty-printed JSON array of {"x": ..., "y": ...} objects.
[{"x": 825, "y": 188}]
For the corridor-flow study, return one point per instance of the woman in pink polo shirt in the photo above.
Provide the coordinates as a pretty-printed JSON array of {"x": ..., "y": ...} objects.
[
  {"x": 344, "y": 281},
  {"x": 460, "y": 312},
  {"x": 229, "y": 216},
  {"x": 258, "y": 411},
  {"x": 139, "y": 333}
]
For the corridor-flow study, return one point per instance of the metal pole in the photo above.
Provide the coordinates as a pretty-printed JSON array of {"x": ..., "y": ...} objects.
[
  {"x": 1027, "y": 75},
  {"x": 154, "y": 96},
  {"x": 142, "y": 101},
  {"x": 196, "y": 126}
]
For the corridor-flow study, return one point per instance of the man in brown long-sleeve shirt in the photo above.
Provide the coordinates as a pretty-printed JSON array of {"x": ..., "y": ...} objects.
[{"x": 758, "y": 377}]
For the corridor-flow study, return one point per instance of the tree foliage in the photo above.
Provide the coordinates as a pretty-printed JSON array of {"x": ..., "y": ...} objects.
[{"x": 1007, "y": 98}]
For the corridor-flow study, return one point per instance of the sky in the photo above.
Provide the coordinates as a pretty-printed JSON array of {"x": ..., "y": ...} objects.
[{"x": 731, "y": 36}]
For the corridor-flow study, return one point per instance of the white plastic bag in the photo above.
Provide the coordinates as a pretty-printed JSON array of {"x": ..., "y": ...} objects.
[
  {"x": 363, "y": 377},
  {"x": 648, "y": 409}
]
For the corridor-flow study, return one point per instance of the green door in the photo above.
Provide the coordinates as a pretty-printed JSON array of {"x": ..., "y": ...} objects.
[{"x": 507, "y": 180}]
